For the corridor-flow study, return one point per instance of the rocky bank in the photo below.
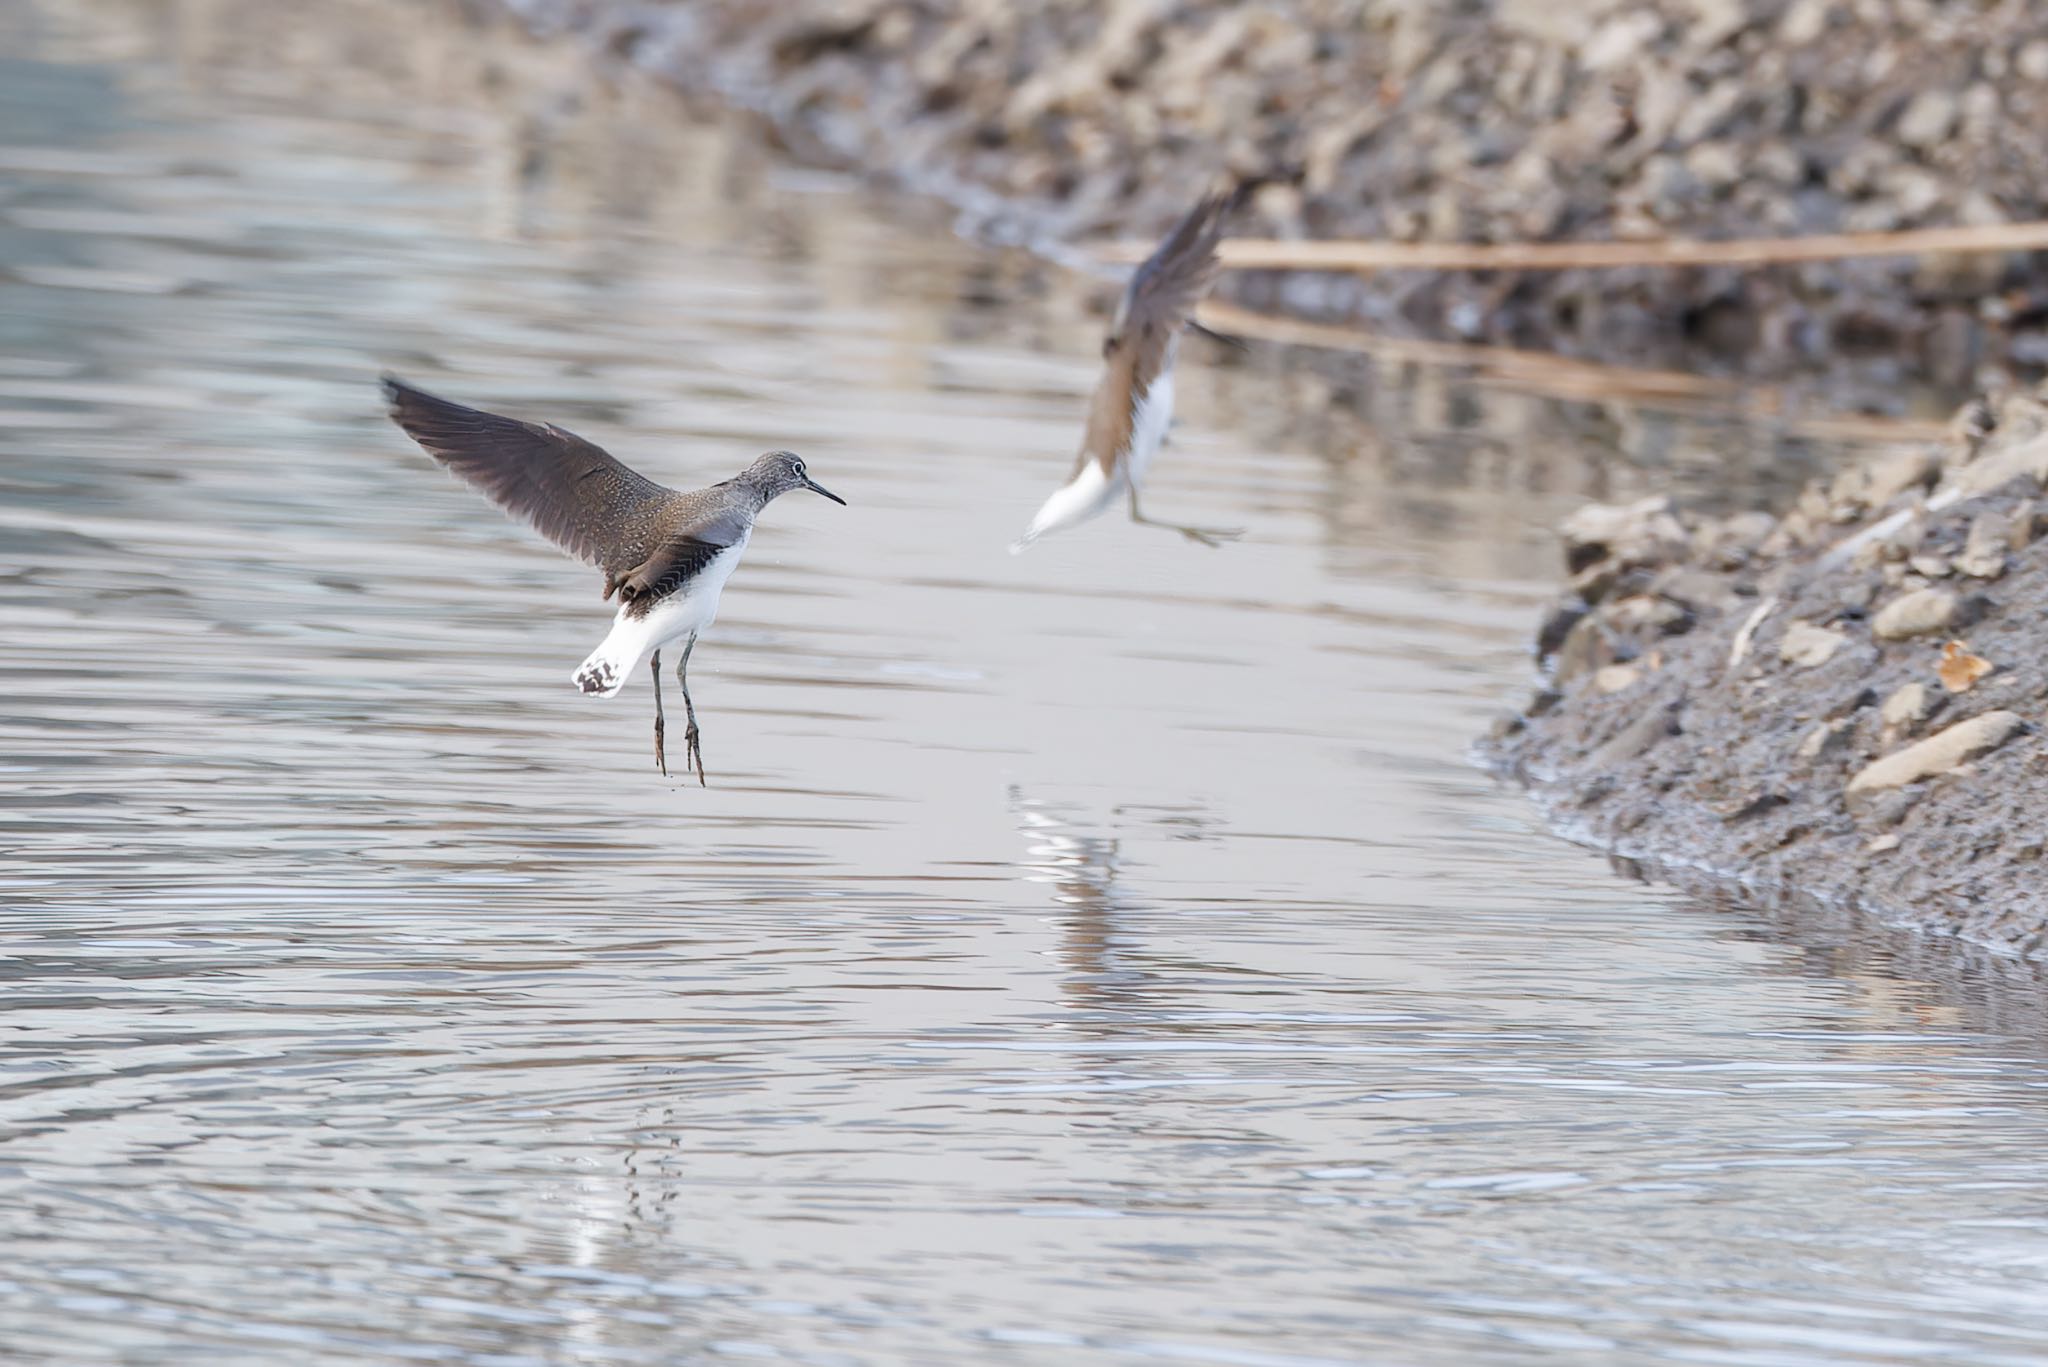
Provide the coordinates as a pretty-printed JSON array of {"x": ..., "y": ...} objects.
[
  {"x": 1444, "y": 120},
  {"x": 1844, "y": 701}
]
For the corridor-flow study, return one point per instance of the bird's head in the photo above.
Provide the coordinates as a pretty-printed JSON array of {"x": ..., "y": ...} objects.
[{"x": 778, "y": 472}]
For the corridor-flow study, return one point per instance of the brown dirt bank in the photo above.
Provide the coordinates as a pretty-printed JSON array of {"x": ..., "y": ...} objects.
[
  {"x": 1475, "y": 121},
  {"x": 1845, "y": 701}
]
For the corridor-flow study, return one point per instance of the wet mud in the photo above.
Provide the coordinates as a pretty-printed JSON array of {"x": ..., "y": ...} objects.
[{"x": 1843, "y": 701}]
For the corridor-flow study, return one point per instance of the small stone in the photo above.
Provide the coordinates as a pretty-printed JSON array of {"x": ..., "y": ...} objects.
[
  {"x": 1983, "y": 554},
  {"x": 1827, "y": 737},
  {"x": 1695, "y": 590},
  {"x": 1736, "y": 539},
  {"x": 1883, "y": 844},
  {"x": 1715, "y": 165},
  {"x": 1915, "y": 614},
  {"x": 1804, "y": 22},
  {"x": 1642, "y": 614},
  {"x": 1928, "y": 119},
  {"x": 1912, "y": 190},
  {"x": 2033, "y": 60},
  {"x": 1887, "y": 809},
  {"x": 2024, "y": 527},
  {"x": 1638, "y": 736},
  {"x": 1614, "y": 678},
  {"x": 1642, "y": 533},
  {"x": 1908, "y": 707},
  {"x": 1619, "y": 40},
  {"x": 1807, "y": 645},
  {"x": 1929, "y": 565},
  {"x": 1887, "y": 478},
  {"x": 1941, "y": 753}
]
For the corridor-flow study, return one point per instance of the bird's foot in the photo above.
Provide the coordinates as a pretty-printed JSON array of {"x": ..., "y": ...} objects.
[
  {"x": 1212, "y": 537},
  {"x": 660, "y": 753},
  {"x": 695, "y": 754}
]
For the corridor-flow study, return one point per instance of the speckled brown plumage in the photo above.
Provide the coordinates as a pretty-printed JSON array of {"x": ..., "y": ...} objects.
[
  {"x": 1156, "y": 305},
  {"x": 648, "y": 539}
]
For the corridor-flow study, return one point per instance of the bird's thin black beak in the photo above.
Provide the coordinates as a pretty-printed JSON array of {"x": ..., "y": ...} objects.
[{"x": 817, "y": 488}]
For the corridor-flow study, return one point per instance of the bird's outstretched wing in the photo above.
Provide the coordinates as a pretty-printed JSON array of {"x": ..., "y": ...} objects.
[
  {"x": 573, "y": 492},
  {"x": 1164, "y": 290},
  {"x": 1156, "y": 305}
]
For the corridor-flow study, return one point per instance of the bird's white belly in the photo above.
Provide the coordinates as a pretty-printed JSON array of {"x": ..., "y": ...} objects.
[
  {"x": 1153, "y": 415},
  {"x": 675, "y": 618},
  {"x": 1092, "y": 490}
]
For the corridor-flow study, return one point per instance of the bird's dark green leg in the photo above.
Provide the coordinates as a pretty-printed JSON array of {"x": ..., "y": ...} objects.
[
  {"x": 660, "y": 757},
  {"x": 694, "y": 754},
  {"x": 1208, "y": 536}
]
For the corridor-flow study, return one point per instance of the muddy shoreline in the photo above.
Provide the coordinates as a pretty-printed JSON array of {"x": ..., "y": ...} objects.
[
  {"x": 1066, "y": 124},
  {"x": 1844, "y": 701}
]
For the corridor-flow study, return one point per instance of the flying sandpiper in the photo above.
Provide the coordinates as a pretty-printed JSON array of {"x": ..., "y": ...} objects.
[
  {"x": 665, "y": 553},
  {"x": 1133, "y": 403}
]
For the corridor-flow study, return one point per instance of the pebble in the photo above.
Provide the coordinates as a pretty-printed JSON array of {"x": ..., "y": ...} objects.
[
  {"x": 1614, "y": 678},
  {"x": 1941, "y": 753},
  {"x": 1639, "y": 736},
  {"x": 1914, "y": 614},
  {"x": 1806, "y": 645},
  {"x": 1928, "y": 565},
  {"x": 1912, "y": 704},
  {"x": 1928, "y": 118},
  {"x": 1984, "y": 553},
  {"x": 1825, "y": 738}
]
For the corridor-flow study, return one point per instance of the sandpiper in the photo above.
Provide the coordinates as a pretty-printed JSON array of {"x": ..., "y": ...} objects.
[
  {"x": 665, "y": 553},
  {"x": 1133, "y": 403}
]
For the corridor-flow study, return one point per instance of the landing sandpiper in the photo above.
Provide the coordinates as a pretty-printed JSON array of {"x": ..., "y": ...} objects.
[
  {"x": 1133, "y": 403},
  {"x": 665, "y": 553}
]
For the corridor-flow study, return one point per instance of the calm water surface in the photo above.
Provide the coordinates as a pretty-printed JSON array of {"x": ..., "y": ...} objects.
[{"x": 1103, "y": 955}]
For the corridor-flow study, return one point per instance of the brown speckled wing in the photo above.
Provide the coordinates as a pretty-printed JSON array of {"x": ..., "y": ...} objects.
[
  {"x": 714, "y": 520},
  {"x": 572, "y": 491},
  {"x": 1114, "y": 408},
  {"x": 1165, "y": 289},
  {"x": 1156, "y": 305}
]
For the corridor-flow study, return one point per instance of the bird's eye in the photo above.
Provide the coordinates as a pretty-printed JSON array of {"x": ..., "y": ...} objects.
[{"x": 799, "y": 469}]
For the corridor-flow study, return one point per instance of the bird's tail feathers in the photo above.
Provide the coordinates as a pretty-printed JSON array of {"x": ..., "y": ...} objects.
[
  {"x": 605, "y": 672},
  {"x": 1087, "y": 494}
]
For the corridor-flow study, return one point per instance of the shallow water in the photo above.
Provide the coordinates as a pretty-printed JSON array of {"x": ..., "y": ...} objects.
[{"x": 1101, "y": 955}]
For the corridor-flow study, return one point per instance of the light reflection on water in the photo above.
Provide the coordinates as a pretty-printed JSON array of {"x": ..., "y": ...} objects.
[{"x": 1097, "y": 955}]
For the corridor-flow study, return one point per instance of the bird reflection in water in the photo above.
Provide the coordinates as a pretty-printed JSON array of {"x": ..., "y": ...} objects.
[
  {"x": 1106, "y": 967},
  {"x": 1082, "y": 870}
]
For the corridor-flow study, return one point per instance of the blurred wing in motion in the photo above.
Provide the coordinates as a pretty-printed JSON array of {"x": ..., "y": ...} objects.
[
  {"x": 1165, "y": 289},
  {"x": 572, "y": 491}
]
